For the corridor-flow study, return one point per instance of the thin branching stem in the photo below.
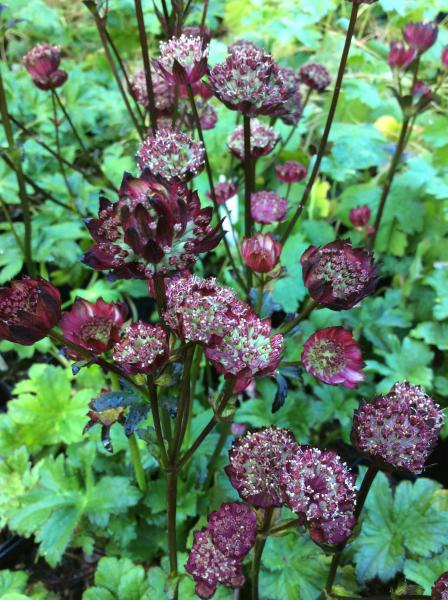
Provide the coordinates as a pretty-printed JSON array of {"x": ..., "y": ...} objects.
[{"x": 146, "y": 64}]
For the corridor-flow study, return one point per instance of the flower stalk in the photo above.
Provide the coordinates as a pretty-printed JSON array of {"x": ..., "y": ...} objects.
[
  {"x": 258, "y": 550},
  {"x": 146, "y": 63},
  {"x": 249, "y": 188}
]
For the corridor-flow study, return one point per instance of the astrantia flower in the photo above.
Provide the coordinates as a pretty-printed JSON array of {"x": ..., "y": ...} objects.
[
  {"x": 398, "y": 430},
  {"x": 208, "y": 116},
  {"x": 445, "y": 57},
  {"x": 152, "y": 228},
  {"x": 440, "y": 589},
  {"x": 183, "y": 60},
  {"x": 29, "y": 309},
  {"x": 142, "y": 348},
  {"x": 420, "y": 36},
  {"x": 249, "y": 81},
  {"x": 164, "y": 94},
  {"x": 171, "y": 156},
  {"x": 360, "y": 216},
  {"x": 333, "y": 356},
  {"x": 315, "y": 76},
  {"x": 262, "y": 140},
  {"x": 400, "y": 57},
  {"x": 268, "y": 207},
  {"x": 261, "y": 252},
  {"x": 337, "y": 275},
  {"x": 319, "y": 487},
  {"x": 42, "y": 63},
  {"x": 94, "y": 325},
  {"x": 224, "y": 191},
  {"x": 233, "y": 529},
  {"x": 248, "y": 350},
  {"x": 256, "y": 462},
  {"x": 201, "y": 310},
  {"x": 291, "y": 171}
]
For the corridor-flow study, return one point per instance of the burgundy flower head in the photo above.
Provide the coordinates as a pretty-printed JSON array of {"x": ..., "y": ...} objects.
[
  {"x": 171, "y": 156},
  {"x": 400, "y": 57},
  {"x": 398, "y": 430},
  {"x": 183, "y": 60},
  {"x": 262, "y": 140},
  {"x": 200, "y": 310},
  {"x": 94, "y": 325},
  {"x": 29, "y": 309},
  {"x": 315, "y": 76},
  {"x": 142, "y": 348},
  {"x": 42, "y": 63},
  {"x": 268, "y": 207},
  {"x": 164, "y": 92},
  {"x": 152, "y": 228},
  {"x": 233, "y": 529},
  {"x": 360, "y": 216},
  {"x": 261, "y": 252},
  {"x": 440, "y": 589},
  {"x": 333, "y": 356},
  {"x": 291, "y": 171},
  {"x": 420, "y": 36},
  {"x": 249, "y": 81},
  {"x": 337, "y": 275},
  {"x": 248, "y": 350},
  {"x": 224, "y": 191},
  {"x": 445, "y": 57},
  {"x": 256, "y": 462}
]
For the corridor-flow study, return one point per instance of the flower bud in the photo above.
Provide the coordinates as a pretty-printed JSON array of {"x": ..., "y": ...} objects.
[
  {"x": 261, "y": 252},
  {"x": 42, "y": 63},
  {"x": 360, "y": 216},
  {"x": 420, "y": 36},
  {"x": 401, "y": 57},
  {"x": 291, "y": 172}
]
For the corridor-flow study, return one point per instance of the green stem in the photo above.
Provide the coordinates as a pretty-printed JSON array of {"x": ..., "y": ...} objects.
[
  {"x": 285, "y": 526},
  {"x": 183, "y": 406},
  {"x": 171, "y": 479},
  {"x": 249, "y": 188},
  {"x": 258, "y": 551},
  {"x": 286, "y": 328},
  {"x": 137, "y": 462},
  {"x": 328, "y": 124},
  {"x": 146, "y": 64},
  {"x": 72, "y": 125}
]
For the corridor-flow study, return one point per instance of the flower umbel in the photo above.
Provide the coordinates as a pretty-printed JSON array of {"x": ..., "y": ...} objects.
[
  {"x": 291, "y": 171},
  {"x": 233, "y": 529},
  {"x": 315, "y": 76},
  {"x": 142, "y": 348},
  {"x": 164, "y": 94},
  {"x": 183, "y": 60},
  {"x": 224, "y": 190},
  {"x": 268, "y": 207},
  {"x": 263, "y": 140},
  {"x": 42, "y": 63}
]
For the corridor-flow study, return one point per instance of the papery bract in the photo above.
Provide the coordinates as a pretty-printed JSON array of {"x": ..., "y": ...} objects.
[{"x": 233, "y": 529}]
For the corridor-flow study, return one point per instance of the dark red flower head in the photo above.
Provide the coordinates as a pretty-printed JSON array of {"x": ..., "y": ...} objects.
[
  {"x": 445, "y": 57},
  {"x": 263, "y": 140},
  {"x": 315, "y": 76},
  {"x": 42, "y": 63},
  {"x": 143, "y": 348},
  {"x": 224, "y": 190},
  {"x": 164, "y": 92},
  {"x": 401, "y": 57},
  {"x": 261, "y": 252},
  {"x": 29, "y": 309},
  {"x": 360, "y": 216},
  {"x": 337, "y": 275},
  {"x": 421, "y": 90},
  {"x": 420, "y": 36},
  {"x": 94, "y": 325},
  {"x": 183, "y": 60},
  {"x": 398, "y": 430},
  {"x": 440, "y": 589},
  {"x": 291, "y": 171},
  {"x": 233, "y": 529},
  {"x": 152, "y": 228},
  {"x": 268, "y": 207},
  {"x": 333, "y": 356}
]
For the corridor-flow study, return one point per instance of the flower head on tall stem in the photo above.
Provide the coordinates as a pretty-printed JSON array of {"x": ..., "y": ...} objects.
[
  {"x": 224, "y": 190},
  {"x": 398, "y": 430},
  {"x": 261, "y": 252},
  {"x": 291, "y": 171},
  {"x": 42, "y": 63},
  {"x": 315, "y": 76},
  {"x": 263, "y": 140},
  {"x": 360, "y": 216},
  {"x": 143, "y": 348},
  {"x": 420, "y": 36},
  {"x": 164, "y": 92},
  {"x": 29, "y": 309},
  {"x": 401, "y": 57},
  {"x": 233, "y": 529},
  {"x": 440, "y": 588},
  {"x": 268, "y": 207},
  {"x": 183, "y": 60}
]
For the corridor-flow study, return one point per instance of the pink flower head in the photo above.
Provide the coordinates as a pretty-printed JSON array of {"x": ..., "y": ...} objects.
[
  {"x": 153, "y": 228},
  {"x": 420, "y": 36},
  {"x": 315, "y": 76},
  {"x": 333, "y": 356},
  {"x": 42, "y": 63},
  {"x": 29, "y": 309},
  {"x": 421, "y": 90},
  {"x": 143, "y": 348},
  {"x": 94, "y": 325},
  {"x": 398, "y": 430},
  {"x": 360, "y": 216},
  {"x": 400, "y": 57},
  {"x": 261, "y": 252},
  {"x": 263, "y": 140},
  {"x": 233, "y": 529},
  {"x": 249, "y": 81},
  {"x": 291, "y": 171},
  {"x": 256, "y": 463},
  {"x": 183, "y": 60},
  {"x": 319, "y": 487},
  {"x": 268, "y": 207},
  {"x": 200, "y": 310},
  {"x": 224, "y": 191},
  {"x": 208, "y": 116},
  {"x": 445, "y": 57},
  {"x": 248, "y": 350},
  {"x": 440, "y": 589},
  {"x": 164, "y": 92},
  {"x": 337, "y": 275},
  {"x": 171, "y": 156}
]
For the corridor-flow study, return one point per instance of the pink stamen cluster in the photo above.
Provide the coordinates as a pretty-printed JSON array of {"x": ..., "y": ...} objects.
[
  {"x": 164, "y": 92},
  {"x": 268, "y": 207},
  {"x": 142, "y": 348},
  {"x": 183, "y": 60},
  {"x": 291, "y": 171},
  {"x": 315, "y": 76},
  {"x": 263, "y": 140}
]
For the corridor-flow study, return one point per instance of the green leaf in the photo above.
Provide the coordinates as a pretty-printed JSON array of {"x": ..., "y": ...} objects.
[{"x": 120, "y": 579}]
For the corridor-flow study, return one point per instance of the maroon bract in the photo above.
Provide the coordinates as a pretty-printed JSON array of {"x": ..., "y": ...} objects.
[
  {"x": 268, "y": 207},
  {"x": 440, "y": 588},
  {"x": 400, "y": 57},
  {"x": 261, "y": 252},
  {"x": 398, "y": 430},
  {"x": 420, "y": 36},
  {"x": 421, "y": 90},
  {"x": 249, "y": 81},
  {"x": 334, "y": 357},
  {"x": 29, "y": 309},
  {"x": 94, "y": 325},
  {"x": 164, "y": 92},
  {"x": 171, "y": 156},
  {"x": 263, "y": 140},
  {"x": 242, "y": 44},
  {"x": 248, "y": 350},
  {"x": 256, "y": 462},
  {"x": 153, "y": 228},
  {"x": 183, "y": 60},
  {"x": 142, "y": 348},
  {"x": 42, "y": 63},
  {"x": 201, "y": 310},
  {"x": 224, "y": 191},
  {"x": 445, "y": 57},
  {"x": 315, "y": 76},
  {"x": 291, "y": 171},
  {"x": 233, "y": 529},
  {"x": 360, "y": 216},
  {"x": 337, "y": 275}
]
